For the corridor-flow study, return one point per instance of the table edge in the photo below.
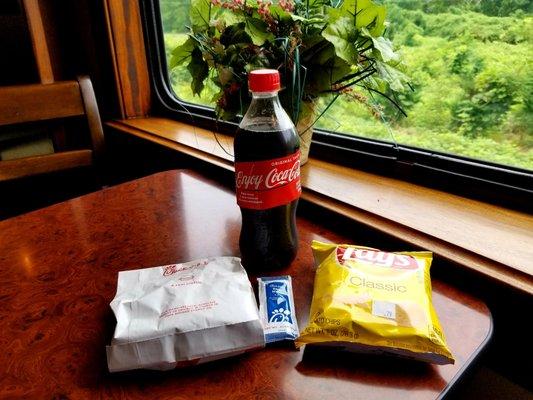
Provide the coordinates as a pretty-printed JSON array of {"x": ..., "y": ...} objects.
[{"x": 470, "y": 362}]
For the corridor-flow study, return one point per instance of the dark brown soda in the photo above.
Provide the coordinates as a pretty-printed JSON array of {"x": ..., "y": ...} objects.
[{"x": 269, "y": 239}]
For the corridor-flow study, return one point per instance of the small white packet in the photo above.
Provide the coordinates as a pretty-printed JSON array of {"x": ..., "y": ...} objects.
[
  {"x": 276, "y": 308},
  {"x": 183, "y": 314}
]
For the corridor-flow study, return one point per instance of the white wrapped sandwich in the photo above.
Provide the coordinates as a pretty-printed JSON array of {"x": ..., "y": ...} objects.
[{"x": 183, "y": 314}]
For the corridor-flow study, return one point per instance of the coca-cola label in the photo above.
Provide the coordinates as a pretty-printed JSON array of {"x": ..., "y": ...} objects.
[{"x": 266, "y": 184}]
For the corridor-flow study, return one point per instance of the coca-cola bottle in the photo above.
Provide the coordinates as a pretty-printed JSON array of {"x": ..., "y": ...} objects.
[{"x": 267, "y": 177}]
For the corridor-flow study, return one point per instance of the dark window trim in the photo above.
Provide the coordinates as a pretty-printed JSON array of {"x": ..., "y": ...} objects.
[{"x": 492, "y": 182}]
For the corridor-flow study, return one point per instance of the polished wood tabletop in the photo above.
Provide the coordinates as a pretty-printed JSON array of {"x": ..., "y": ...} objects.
[{"x": 58, "y": 273}]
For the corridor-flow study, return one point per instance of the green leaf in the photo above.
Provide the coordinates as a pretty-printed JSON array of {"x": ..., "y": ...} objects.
[
  {"x": 295, "y": 17},
  {"x": 341, "y": 33},
  {"x": 384, "y": 48},
  {"x": 316, "y": 20},
  {"x": 320, "y": 80},
  {"x": 377, "y": 83},
  {"x": 316, "y": 49},
  {"x": 257, "y": 30},
  {"x": 396, "y": 79},
  {"x": 182, "y": 53},
  {"x": 234, "y": 34},
  {"x": 325, "y": 55},
  {"x": 280, "y": 14},
  {"x": 200, "y": 14},
  {"x": 371, "y": 17},
  {"x": 199, "y": 70},
  {"x": 367, "y": 14},
  {"x": 229, "y": 17},
  {"x": 337, "y": 69}
]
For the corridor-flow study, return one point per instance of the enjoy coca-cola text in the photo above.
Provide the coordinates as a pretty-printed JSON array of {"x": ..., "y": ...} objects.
[
  {"x": 276, "y": 178},
  {"x": 247, "y": 181},
  {"x": 269, "y": 183}
]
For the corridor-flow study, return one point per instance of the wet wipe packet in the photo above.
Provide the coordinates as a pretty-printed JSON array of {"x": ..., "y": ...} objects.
[
  {"x": 276, "y": 308},
  {"x": 368, "y": 300}
]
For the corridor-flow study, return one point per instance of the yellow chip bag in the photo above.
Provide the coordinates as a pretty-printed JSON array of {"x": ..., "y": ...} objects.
[{"x": 372, "y": 301}]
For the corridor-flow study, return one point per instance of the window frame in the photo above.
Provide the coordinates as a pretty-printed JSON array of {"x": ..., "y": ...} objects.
[{"x": 506, "y": 185}]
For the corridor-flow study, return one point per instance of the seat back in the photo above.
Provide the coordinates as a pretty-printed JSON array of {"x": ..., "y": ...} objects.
[{"x": 41, "y": 102}]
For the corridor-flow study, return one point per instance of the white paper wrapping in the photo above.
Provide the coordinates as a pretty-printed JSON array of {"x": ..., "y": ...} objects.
[{"x": 183, "y": 314}]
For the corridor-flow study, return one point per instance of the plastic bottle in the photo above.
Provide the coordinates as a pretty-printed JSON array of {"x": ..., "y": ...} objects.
[{"x": 267, "y": 177}]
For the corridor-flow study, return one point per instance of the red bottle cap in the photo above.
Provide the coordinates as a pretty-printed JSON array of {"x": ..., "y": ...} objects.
[{"x": 264, "y": 80}]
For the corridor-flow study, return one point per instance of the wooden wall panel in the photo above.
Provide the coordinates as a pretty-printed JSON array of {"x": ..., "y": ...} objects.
[
  {"x": 129, "y": 57},
  {"x": 38, "y": 37}
]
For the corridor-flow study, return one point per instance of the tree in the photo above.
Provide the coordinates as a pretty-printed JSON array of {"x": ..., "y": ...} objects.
[{"x": 174, "y": 15}]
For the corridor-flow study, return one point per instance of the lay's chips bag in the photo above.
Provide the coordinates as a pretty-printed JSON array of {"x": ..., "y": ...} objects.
[{"x": 372, "y": 301}]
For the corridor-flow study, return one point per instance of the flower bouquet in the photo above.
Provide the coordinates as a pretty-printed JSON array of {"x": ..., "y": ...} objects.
[{"x": 322, "y": 49}]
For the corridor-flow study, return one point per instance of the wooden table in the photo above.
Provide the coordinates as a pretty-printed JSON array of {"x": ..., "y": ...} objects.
[{"x": 58, "y": 273}]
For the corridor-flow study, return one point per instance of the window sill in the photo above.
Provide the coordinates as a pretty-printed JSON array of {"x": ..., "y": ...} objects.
[{"x": 488, "y": 239}]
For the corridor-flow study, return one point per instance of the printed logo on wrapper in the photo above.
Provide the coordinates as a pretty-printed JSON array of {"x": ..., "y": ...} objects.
[
  {"x": 276, "y": 308},
  {"x": 261, "y": 185},
  {"x": 173, "y": 268},
  {"x": 278, "y": 303},
  {"x": 170, "y": 270},
  {"x": 374, "y": 257}
]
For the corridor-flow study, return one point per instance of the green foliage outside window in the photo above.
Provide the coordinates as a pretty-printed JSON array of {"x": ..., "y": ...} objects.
[{"x": 470, "y": 62}]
